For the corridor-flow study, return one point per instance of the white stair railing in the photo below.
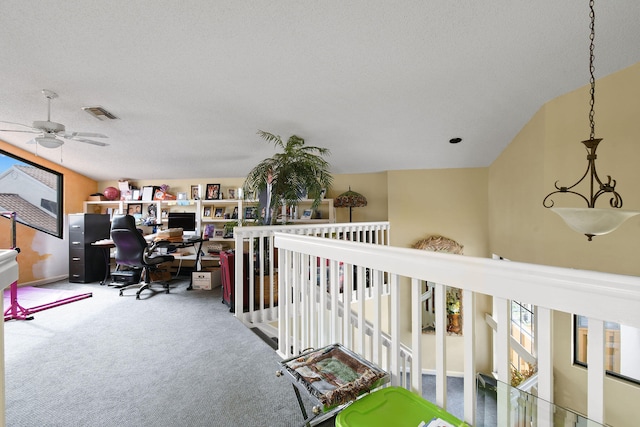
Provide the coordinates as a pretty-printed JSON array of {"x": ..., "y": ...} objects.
[
  {"x": 258, "y": 277},
  {"x": 380, "y": 283}
]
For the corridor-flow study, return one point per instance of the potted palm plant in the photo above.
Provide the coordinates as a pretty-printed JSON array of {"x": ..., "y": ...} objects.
[{"x": 287, "y": 176}]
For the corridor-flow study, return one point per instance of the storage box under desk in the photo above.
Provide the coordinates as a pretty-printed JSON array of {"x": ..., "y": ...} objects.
[
  {"x": 126, "y": 277},
  {"x": 206, "y": 279}
]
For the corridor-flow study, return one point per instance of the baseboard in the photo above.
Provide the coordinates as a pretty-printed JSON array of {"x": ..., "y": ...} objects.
[{"x": 46, "y": 281}]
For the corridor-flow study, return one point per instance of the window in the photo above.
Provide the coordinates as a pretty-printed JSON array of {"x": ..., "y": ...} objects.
[
  {"x": 33, "y": 192},
  {"x": 522, "y": 330},
  {"x": 622, "y": 346}
]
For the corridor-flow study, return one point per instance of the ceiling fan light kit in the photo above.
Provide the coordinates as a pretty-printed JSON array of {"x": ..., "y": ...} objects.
[{"x": 48, "y": 141}]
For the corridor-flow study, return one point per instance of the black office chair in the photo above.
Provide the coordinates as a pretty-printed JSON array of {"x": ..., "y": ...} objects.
[{"x": 132, "y": 250}]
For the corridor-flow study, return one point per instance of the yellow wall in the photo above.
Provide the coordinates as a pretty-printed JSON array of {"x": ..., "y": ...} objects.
[
  {"x": 548, "y": 149},
  {"x": 44, "y": 257},
  {"x": 452, "y": 203}
]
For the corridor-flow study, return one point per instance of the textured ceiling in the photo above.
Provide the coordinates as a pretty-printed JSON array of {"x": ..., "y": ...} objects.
[{"x": 384, "y": 85}]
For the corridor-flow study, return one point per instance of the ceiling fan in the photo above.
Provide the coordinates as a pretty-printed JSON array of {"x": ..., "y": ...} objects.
[{"x": 50, "y": 132}]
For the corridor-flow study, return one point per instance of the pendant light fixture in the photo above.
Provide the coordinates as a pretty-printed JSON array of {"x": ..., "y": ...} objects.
[{"x": 592, "y": 221}]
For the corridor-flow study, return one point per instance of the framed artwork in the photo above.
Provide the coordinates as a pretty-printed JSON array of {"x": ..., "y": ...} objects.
[
  {"x": 219, "y": 213},
  {"x": 182, "y": 196},
  {"x": 307, "y": 214},
  {"x": 234, "y": 215},
  {"x": 135, "y": 194},
  {"x": 218, "y": 232},
  {"x": 206, "y": 212},
  {"x": 134, "y": 208},
  {"x": 165, "y": 214},
  {"x": 232, "y": 193},
  {"x": 213, "y": 192},
  {"x": 195, "y": 192}
]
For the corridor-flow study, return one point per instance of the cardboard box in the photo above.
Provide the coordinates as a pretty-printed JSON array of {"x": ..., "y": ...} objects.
[
  {"x": 160, "y": 275},
  {"x": 206, "y": 279}
]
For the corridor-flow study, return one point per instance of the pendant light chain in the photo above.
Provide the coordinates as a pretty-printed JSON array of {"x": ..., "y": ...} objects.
[
  {"x": 590, "y": 221},
  {"x": 592, "y": 80}
]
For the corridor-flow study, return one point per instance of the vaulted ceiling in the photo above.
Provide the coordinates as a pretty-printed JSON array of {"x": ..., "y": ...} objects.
[{"x": 384, "y": 85}]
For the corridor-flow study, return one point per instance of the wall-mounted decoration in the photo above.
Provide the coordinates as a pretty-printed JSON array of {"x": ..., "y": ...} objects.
[{"x": 436, "y": 243}]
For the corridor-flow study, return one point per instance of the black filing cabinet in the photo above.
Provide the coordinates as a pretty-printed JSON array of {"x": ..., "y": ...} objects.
[{"x": 86, "y": 262}]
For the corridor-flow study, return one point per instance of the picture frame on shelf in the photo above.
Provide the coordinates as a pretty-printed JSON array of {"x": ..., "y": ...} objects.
[
  {"x": 232, "y": 193},
  {"x": 147, "y": 193},
  {"x": 234, "y": 215},
  {"x": 209, "y": 230},
  {"x": 307, "y": 213},
  {"x": 164, "y": 214},
  {"x": 219, "y": 213},
  {"x": 206, "y": 212},
  {"x": 195, "y": 192},
  {"x": 182, "y": 196},
  {"x": 250, "y": 212},
  {"x": 152, "y": 210},
  {"x": 134, "y": 208},
  {"x": 213, "y": 192},
  {"x": 218, "y": 232},
  {"x": 135, "y": 194}
]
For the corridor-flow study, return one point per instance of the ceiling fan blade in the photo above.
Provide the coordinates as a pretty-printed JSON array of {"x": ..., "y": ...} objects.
[
  {"x": 88, "y": 134},
  {"x": 17, "y": 124},
  {"x": 21, "y": 131},
  {"x": 90, "y": 141}
]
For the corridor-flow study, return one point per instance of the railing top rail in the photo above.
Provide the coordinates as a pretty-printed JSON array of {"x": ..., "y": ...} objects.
[
  {"x": 605, "y": 296},
  {"x": 248, "y": 231}
]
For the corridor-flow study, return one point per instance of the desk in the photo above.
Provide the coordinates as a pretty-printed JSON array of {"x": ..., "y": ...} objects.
[
  {"x": 106, "y": 245},
  {"x": 191, "y": 243}
]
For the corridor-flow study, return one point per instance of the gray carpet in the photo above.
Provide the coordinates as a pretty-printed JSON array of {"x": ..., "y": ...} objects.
[{"x": 168, "y": 360}]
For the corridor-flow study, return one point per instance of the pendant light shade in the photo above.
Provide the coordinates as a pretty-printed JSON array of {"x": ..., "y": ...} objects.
[{"x": 594, "y": 221}]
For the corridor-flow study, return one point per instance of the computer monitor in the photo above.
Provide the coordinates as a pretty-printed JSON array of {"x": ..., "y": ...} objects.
[{"x": 184, "y": 220}]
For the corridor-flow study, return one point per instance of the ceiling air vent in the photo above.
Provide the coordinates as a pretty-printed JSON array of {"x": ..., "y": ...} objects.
[{"x": 99, "y": 113}]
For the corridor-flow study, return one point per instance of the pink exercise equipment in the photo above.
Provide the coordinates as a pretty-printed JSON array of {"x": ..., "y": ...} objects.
[{"x": 15, "y": 311}]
